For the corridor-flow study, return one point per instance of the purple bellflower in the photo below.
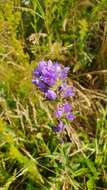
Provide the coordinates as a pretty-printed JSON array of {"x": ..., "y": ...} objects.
[
  {"x": 59, "y": 111},
  {"x": 60, "y": 127},
  {"x": 51, "y": 95},
  {"x": 65, "y": 73},
  {"x": 66, "y": 90},
  {"x": 42, "y": 86},
  {"x": 70, "y": 116},
  {"x": 67, "y": 107}
]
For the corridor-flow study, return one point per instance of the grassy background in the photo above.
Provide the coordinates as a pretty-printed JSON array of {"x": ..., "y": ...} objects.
[{"x": 74, "y": 32}]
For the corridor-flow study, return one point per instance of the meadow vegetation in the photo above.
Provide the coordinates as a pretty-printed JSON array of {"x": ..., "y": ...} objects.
[{"x": 74, "y": 33}]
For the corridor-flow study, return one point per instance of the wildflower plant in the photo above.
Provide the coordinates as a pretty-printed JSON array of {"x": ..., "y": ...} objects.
[{"x": 51, "y": 78}]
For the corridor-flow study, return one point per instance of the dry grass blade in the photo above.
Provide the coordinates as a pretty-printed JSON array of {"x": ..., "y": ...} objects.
[
  {"x": 88, "y": 95},
  {"x": 34, "y": 112},
  {"x": 45, "y": 108},
  {"x": 93, "y": 73},
  {"x": 25, "y": 9}
]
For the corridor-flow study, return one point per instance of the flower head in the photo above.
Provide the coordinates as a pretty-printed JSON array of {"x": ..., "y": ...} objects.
[
  {"x": 67, "y": 107},
  {"x": 65, "y": 73},
  {"x": 58, "y": 70},
  {"x": 60, "y": 127},
  {"x": 49, "y": 77},
  {"x": 70, "y": 116},
  {"x": 59, "y": 112},
  {"x": 51, "y": 95},
  {"x": 39, "y": 69},
  {"x": 66, "y": 90},
  {"x": 42, "y": 86}
]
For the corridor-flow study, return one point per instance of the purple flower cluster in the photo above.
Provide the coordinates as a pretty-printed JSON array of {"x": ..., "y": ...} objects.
[
  {"x": 65, "y": 110},
  {"x": 51, "y": 79},
  {"x": 47, "y": 74}
]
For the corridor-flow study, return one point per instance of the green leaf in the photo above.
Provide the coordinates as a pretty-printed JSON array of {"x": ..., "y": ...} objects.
[{"x": 90, "y": 184}]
